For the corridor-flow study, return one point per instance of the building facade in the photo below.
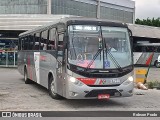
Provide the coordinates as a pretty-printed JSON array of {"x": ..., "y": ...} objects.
[
  {"x": 121, "y": 10},
  {"x": 17, "y": 16}
]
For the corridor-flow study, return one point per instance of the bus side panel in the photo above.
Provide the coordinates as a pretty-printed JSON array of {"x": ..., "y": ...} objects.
[
  {"x": 30, "y": 65},
  {"x": 137, "y": 55},
  {"x": 144, "y": 58},
  {"x": 26, "y": 59},
  {"x": 155, "y": 58},
  {"x": 52, "y": 66},
  {"x": 21, "y": 62},
  {"x": 46, "y": 67},
  {"x": 45, "y": 63}
]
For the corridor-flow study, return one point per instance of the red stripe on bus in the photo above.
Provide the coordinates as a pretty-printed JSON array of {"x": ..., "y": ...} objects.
[
  {"x": 87, "y": 81},
  {"x": 149, "y": 59}
]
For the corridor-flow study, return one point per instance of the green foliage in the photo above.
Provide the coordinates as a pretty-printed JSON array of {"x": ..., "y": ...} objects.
[
  {"x": 149, "y": 22},
  {"x": 153, "y": 84}
]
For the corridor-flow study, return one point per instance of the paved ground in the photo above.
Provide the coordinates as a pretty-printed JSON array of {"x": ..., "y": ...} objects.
[{"x": 15, "y": 95}]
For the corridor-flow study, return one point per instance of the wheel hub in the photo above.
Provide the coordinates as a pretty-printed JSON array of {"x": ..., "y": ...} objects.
[{"x": 52, "y": 87}]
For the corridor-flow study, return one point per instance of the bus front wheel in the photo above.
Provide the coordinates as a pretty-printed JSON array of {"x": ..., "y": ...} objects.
[
  {"x": 26, "y": 79},
  {"x": 51, "y": 88}
]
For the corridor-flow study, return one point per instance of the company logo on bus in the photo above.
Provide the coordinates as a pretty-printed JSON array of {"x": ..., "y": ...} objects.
[
  {"x": 102, "y": 82},
  {"x": 99, "y": 81}
]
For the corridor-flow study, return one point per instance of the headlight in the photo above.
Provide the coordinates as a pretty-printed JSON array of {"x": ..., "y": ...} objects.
[
  {"x": 72, "y": 79},
  {"x": 128, "y": 81},
  {"x": 130, "y": 78},
  {"x": 75, "y": 81}
]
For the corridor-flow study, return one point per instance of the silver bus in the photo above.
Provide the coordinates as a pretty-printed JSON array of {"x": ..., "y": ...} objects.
[
  {"x": 78, "y": 58},
  {"x": 146, "y": 53}
]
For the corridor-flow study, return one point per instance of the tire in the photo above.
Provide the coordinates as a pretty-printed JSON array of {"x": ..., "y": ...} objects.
[
  {"x": 157, "y": 65},
  {"x": 51, "y": 89},
  {"x": 26, "y": 80}
]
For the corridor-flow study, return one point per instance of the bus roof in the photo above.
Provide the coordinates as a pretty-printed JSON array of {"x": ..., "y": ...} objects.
[
  {"x": 72, "y": 20},
  {"x": 144, "y": 31}
]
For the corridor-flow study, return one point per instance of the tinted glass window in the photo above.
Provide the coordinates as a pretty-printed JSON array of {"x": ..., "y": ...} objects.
[
  {"x": 44, "y": 40},
  {"x": 25, "y": 43},
  {"x": 31, "y": 42},
  {"x": 36, "y": 43},
  {"x": 52, "y": 39},
  {"x": 60, "y": 42}
]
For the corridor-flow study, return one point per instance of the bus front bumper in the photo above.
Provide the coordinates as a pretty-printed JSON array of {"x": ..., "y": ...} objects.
[{"x": 87, "y": 92}]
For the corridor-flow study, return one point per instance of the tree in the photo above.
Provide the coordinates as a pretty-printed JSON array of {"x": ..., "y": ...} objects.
[{"x": 149, "y": 22}]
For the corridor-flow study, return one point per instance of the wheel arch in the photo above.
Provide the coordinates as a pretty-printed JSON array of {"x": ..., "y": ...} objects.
[
  {"x": 50, "y": 74},
  {"x": 25, "y": 67}
]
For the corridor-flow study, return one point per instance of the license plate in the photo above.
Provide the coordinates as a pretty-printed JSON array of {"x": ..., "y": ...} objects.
[{"x": 103, "y": 96}]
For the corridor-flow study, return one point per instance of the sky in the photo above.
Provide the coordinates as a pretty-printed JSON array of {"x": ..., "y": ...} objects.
[{"x": 147, "y": 8}]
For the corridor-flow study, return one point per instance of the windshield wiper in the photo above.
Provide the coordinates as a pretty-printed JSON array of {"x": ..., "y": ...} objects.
[
  {"x": 115, "y": 61},
  {"x": 94, "y": 57},
  {"x": 117, "y": 65}
]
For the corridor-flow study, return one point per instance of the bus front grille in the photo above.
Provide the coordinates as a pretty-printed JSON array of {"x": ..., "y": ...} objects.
[
  {"x": 95, "y": 93},
  {"x": 104, "y": 85}
]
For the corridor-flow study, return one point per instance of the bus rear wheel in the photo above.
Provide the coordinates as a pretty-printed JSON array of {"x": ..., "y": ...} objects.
[
  {"x": 26, "y": 79},
  {"x": 51, "y": 88}
]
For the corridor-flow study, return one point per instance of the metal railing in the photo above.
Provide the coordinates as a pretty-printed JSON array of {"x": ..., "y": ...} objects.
[{"x": 8, "y": 58}]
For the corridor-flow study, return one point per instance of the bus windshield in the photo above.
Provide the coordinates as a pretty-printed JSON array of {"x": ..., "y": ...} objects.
[{"x": 99, "y": 47}]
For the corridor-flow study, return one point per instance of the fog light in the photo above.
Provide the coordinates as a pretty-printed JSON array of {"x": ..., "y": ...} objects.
[
  {"x": 131, "y": 91},
  {"x": 117, "y": 94},
  {"x": 120, "y": 90},
  {"x": 73, "y": 94}
]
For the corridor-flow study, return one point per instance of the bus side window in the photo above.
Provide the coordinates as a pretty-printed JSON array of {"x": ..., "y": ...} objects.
[
  {"x": 22, "y": 44},
  {"x": 60, "y": 46},
  {"x": 36, "y": 43},
  {"x": 52, "y": 38},
  {"x": 19, "y": 43},
  {"x": 31, "y": 41},
  {"x": 143, "y": 49},
  {"x": 26, "y": 43},
  {"x": 60, "y": 42},
  {"x": 158, "y": 49},
  {"x": 44, "y": 40}
]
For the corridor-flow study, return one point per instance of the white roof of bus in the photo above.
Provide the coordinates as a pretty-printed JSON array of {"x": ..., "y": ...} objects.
[
  {"x": 63, "y": 19},
  {"x": 145, "y": 31}
]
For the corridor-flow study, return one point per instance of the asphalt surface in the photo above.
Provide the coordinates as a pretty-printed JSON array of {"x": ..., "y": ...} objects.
[{"x": 15, "y": 95}]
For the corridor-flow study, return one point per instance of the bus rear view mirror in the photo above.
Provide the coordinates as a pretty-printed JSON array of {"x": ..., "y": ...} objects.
[{"x": 131, "y": 37}]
